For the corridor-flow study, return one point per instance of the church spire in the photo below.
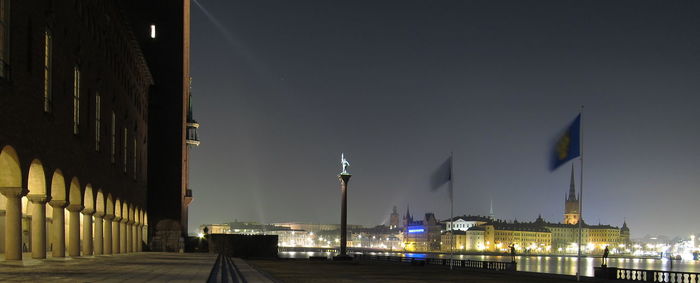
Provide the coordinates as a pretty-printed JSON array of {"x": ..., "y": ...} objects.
[
  {"x": 572, "y": 188},
  {"x": 491, "y": 215}
]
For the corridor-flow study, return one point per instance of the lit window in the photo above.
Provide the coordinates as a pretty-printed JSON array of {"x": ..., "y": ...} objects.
[
  {"x": 98, "y": 121},
  {"x": 126, "y": 138},
  {"x": 48, "y": 41},
  {"x": 153, "y": 31},
  {"x": 114, "y": 136},
  {"x": 76, "y": 99},
  {"x": 4, "y": 38}
]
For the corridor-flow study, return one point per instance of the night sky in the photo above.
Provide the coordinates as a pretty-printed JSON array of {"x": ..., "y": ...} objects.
[{"x": 281, "y": 88}]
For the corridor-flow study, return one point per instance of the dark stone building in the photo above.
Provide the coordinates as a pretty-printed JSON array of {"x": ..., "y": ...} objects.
[
  {"x": 74, "y": 92},
  {"x": 162, "y": 28}
]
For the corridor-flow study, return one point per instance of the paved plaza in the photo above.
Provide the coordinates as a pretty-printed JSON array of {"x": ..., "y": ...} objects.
[{"x": 137, "y": 267}]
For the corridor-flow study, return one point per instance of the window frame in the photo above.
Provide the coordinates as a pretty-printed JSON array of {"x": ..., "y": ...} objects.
[
  {"x": 76, "y": 100},
  {"x": 5, "y": 29},
  {"x": 48, "y": 70},
  {"x": 98, "y": 120}
]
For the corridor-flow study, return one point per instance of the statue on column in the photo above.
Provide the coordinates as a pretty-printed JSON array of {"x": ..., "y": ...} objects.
[{"x": 345, "y": 164}]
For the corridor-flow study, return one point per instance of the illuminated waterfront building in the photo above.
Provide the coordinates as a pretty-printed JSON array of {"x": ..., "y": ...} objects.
[
  {"x": 460, "y": 238},
  {"x": 422, "y": 235},
  {"x": 529, "y": 237},
  {"x": 463, "y": 223}
]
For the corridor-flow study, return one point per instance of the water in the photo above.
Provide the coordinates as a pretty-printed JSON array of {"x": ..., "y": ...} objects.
[{"x": 547, "y": 264}]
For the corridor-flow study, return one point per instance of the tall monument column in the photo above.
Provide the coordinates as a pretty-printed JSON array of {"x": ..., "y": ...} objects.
[{"x": 344, "y": 178}]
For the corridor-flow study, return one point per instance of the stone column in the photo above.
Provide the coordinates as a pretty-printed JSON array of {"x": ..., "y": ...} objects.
[
  {"x": 139, "y": 236},
  {"x": 87, "y": 231},
  {"x": 129, "y": 236},
  {"x": 122, "y": 235},
  {"x": 13, "y": 223},
  {"x": 108, "y": 234},
  {"x": 134, "y": 237},
  {"x": 98, "y": 234},
  {"x": 74, "y": 229},
  {"x": 59, "y": 228},
  {"x": 115, "y": 235},
  {"x": 38, "y": 225}
]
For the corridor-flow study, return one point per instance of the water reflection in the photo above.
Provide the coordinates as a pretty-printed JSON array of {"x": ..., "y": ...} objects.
[{"x": 545, "y": 264}]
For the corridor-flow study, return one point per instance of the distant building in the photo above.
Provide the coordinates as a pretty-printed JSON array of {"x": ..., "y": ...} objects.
[
  {"x": 460, "y": 238},
  {"x": 572, "y": 212},
  {"x": 422, "y": 235},
  {"x": 530, "y": 237},
  {"x": 394, "y": 219},
  {"x": 463, "y": 223}
]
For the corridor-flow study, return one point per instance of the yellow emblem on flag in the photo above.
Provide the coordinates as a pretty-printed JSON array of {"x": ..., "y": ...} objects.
[{"x": 563, "y": 146}]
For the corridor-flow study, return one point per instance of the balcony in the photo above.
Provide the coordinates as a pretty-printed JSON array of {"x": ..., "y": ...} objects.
[
  {"x": 192, "y": 136},
  {"x": 188, "y": 197}
]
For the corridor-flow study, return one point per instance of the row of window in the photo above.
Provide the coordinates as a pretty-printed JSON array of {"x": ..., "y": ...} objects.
[{"x": 48, "y": 54}]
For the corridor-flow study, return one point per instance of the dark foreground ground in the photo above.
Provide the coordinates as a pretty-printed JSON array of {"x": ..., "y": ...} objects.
[
  {"x": 137, "y": 267},
  {"x": 287, "y": 270}
]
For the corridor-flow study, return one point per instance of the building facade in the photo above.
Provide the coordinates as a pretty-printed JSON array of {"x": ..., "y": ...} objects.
[
  {"x": 74, "y": 88},
  {"x": 162, "y": 28}
]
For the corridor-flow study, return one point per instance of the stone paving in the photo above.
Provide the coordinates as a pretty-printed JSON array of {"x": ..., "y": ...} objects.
[{"x": 137, "y": 267}]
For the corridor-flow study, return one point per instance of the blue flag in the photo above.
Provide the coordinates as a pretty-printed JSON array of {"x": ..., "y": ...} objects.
[
  {"x": 442, "y": 175},
  {"x": 568, "y": 145}
]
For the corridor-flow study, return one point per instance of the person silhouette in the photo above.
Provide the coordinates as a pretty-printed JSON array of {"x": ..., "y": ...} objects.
[
  {"x": 512, "y": 252},
  {"x": 606, "y": 252}
]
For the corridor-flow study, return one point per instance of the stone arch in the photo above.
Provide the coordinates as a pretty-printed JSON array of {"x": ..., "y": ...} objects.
[
  {"x": 36, "y": 179},
  {"x": 74, "y": 196},
  {"x": 10, "y": 171},
  {"x": 100, "y": 203},
  {"x": 109, "y": 205},
  {"x": 88, "y": 199},
  {"x": 10, "y": 177},
  {"x": 58, "y": 186},
  {"x": 118, "y": 208}
]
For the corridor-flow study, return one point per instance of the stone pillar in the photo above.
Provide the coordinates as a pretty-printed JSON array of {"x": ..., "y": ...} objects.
[
  {"x": 38, "y": 225},
  {"x": 108, "y": 234},
  {"x": 98, "y": 234},
  {"x": 59, "y": 228},
  {"x": 115, "y": 235},
  {"x": 129, "y": 236},
  {"x": 74, "y": 229},
  {"x": 122, "y": 235},
  {"x": 134, "y": 238},
  {"x": 139, "y": 233},
  {"x": 13, "y": 223},
  {"x": 87, "y": 231}
]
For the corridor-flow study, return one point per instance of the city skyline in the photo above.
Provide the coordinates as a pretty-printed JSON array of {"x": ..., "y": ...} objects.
[{"x": 283, "y": 88}]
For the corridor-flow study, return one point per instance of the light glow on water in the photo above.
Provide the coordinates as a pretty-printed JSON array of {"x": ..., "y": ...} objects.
[{"x": 545, "y": 264}]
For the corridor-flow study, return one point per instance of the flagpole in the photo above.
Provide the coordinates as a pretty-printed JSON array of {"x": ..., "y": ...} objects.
[
  {"x": 452, "y": 225},
  {"x": 580, "y": 197}
]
